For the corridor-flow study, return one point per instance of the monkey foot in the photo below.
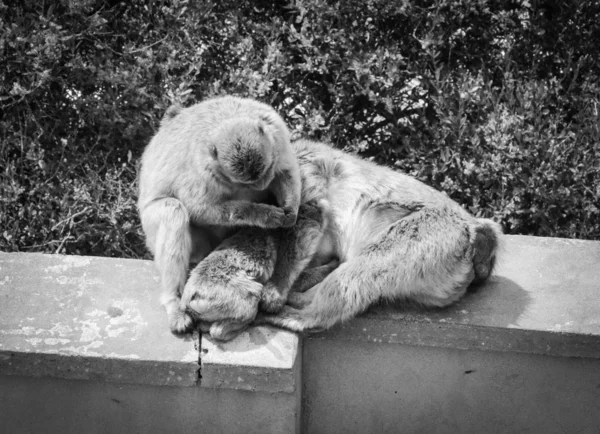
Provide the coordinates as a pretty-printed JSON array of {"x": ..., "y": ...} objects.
[{"x": 180, "y": 322}]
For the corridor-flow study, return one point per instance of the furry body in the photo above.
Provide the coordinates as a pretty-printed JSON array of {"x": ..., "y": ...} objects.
[
  {"x": 206, "y": 171},
  {"x": 394, "y": 237},
  {"x": 224, "y": 291}
]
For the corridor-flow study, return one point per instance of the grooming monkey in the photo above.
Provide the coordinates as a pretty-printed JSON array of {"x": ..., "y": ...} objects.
[
  {"x": 394, "y": 237},
  {"x": 207, "y": 171}
]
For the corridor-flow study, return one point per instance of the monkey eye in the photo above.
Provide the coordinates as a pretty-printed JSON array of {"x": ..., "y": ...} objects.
[{"x": 213, "y": 151}]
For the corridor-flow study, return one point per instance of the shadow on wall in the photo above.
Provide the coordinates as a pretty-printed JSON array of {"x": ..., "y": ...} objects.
[{"x": 499, "y": 302}]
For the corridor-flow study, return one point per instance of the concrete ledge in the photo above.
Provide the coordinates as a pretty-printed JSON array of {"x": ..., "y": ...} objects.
[
  {"x": 99, "y": 319},
  {"x": 259, "y": 359},
  {"x": 544, "y": 299},
  {"x": 90, "y": 318}
]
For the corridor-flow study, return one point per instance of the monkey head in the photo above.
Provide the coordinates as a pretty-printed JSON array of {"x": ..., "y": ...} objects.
[{"x": 244, "y": 152}]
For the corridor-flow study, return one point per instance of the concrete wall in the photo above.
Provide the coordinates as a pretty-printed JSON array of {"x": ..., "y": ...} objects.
[
  {"x": 85, "y": 347},
  {"x": 362, "y": 387},
  {"x": 51, "y": 405}
]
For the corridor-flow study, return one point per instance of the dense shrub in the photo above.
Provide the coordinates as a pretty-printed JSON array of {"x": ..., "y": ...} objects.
[{"x": 495, "y": 102}]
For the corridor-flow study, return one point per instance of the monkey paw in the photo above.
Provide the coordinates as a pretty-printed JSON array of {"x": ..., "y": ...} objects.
[
  {"x": 272, "y": 217},
  {"x": 180, "y": 322},
  {"x": 227, "y": 330},
  {"x": 290, "y": 217},
  {"x": 271, "y": 300}
]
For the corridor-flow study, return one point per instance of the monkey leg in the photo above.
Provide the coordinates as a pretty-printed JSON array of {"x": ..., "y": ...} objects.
[
  {"x": 223, "y": 290},
  {"x": 296, "y": 249},
  {"x": 428, "y": 256},
  {"x": 223, "y": 308},
  {"x": 166, "y": 225}
]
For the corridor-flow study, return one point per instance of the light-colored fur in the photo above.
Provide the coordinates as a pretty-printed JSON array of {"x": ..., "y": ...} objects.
[
  {"x": 207, "y": 170},
  {"x": 224, "y": 291},
  {"x": 380, "y": 235},
  {"x": 395, "y": 238}
]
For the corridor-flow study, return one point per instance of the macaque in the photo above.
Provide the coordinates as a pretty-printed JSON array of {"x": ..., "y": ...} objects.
[
  {"x": 394, "y": 237},
  {"x": 211, "y": 168}
]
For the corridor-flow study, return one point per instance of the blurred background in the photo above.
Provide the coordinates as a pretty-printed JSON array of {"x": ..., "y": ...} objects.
[{"x": 494, "y": 102}]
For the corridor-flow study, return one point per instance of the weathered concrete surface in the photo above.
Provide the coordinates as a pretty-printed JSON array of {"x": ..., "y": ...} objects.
[
  {"x": 261, "y": 358},
  {"x": 543, "y": 299},
  {"x": 100, "y": 320},
  {"x": 88, "y": 318},
  {"x": 363, "y": 387},
  {"x": 51, "y": 405}
]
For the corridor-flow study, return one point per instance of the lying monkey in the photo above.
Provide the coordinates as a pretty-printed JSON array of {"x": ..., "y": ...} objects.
[{"x": 395, "y": 239}]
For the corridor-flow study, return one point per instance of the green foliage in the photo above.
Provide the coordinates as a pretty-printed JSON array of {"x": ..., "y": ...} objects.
[{"x": 495, "y": 102}]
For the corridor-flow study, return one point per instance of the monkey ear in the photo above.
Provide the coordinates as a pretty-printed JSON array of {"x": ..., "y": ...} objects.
[
  {"x": 273, "y": 127},
  {"x": 261, "y": 127},
  {"x": 266, "y": 126},
  {"x": 212, "y": 149},
  {"x": 265, "y": 118}
]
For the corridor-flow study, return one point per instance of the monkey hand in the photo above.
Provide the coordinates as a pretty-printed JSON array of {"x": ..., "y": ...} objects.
[
  {"x": 268, "y": 216},
  {"x": 291, "y": 216}
]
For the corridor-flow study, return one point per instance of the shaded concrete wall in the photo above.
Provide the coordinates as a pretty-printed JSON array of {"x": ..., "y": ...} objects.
[
  {"x": 362, "y": 387},
  {"x": 51, "y": 405}
]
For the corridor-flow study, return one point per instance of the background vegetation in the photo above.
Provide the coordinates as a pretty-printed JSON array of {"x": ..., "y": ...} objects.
[{"x": 494, "y": 101}]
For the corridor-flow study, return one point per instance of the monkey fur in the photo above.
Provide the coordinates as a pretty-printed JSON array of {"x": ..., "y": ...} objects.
[
  {"x": 208, "y": 170},
  {"x": 394, "y": 238},
  {"x": 224, "y": 291}
]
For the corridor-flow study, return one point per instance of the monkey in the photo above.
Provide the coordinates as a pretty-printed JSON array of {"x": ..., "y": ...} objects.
[
  {"x": 225, "y": 290},
  {"x": 209, "y": 169},
  {"x": 394, "y": 237}
]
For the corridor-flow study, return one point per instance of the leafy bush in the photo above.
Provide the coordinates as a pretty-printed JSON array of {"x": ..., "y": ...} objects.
[{"x": 495, "y": 102}]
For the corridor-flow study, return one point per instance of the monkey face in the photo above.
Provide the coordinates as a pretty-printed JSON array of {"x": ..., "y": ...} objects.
[{"x": 244, "y": 151}]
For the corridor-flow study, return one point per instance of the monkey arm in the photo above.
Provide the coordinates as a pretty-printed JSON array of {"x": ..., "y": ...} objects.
[
  {"x": 238, "y": 213},
  {"x": 296, "y": 249},
  {"x": 166, "y": 224},
  {"x": 287, "y": 190}
]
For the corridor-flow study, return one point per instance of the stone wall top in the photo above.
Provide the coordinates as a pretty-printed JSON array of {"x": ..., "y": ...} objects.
[
  {"x": 100, "y": 319},
  {"x": 544, "y": 298}
]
